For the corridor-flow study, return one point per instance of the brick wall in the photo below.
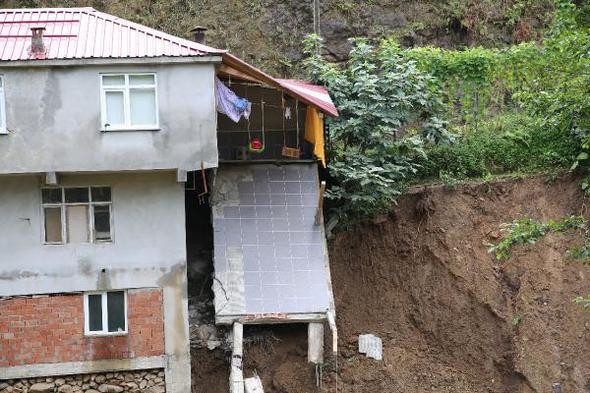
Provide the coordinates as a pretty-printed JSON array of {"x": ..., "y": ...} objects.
[{"x": 51, "y": 330}]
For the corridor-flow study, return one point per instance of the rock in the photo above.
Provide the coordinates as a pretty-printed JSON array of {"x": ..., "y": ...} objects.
[
  {"x": 60, "y": 381},
  {"x": 155, "y": 389},
  {"x": 42, "y": 387},
  {"x": 105, "y": 388},
  {"x": 91, "y": 391},
  {"x": 65, "y": 389},
  {"x": 99, "y": 379}
]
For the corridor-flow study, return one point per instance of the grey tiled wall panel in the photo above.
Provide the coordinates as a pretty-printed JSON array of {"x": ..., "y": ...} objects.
[{"x": 270, "y": 257}]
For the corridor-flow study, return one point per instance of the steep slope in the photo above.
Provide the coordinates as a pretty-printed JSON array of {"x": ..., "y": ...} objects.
[
  {"x": 269, "y": 33},
  {"x": 452, "y": 318}
]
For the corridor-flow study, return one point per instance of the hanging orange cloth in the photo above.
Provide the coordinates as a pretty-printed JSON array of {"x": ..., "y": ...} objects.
[{"x": 314, "y": 132}]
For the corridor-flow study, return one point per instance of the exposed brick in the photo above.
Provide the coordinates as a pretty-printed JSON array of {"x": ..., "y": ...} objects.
[{"x": 51, "y": 330}]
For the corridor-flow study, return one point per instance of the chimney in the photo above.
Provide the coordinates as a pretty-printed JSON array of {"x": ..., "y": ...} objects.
[
  {"x": 37, "y": 45},
  {"x": 199, "y": 34}
]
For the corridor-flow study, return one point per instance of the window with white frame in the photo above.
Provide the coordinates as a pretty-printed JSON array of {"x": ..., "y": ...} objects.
[
  {"x": 3, "y": 129},
  {"x": 77, "y": 214},
  {"x": 105, "y": 313},
  {"x": 129, "y": 101}
]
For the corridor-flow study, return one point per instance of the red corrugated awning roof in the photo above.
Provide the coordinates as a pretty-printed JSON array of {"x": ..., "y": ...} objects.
[
  {"x": 307, "y": 92},
  {"x": 84, "y": 33}
]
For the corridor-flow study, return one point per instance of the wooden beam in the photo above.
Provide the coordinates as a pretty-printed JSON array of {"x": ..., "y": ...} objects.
[{"x": 319, "y": 214}]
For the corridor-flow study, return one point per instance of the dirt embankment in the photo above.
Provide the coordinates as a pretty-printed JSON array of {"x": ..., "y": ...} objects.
[{"x": 452, "y": 319}]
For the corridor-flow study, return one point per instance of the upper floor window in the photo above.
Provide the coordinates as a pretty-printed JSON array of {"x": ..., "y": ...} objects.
[
  {"x": 77, "y": 214},
  {"x": 129, "y": 102},
  {"x": 3, "y": 129}
]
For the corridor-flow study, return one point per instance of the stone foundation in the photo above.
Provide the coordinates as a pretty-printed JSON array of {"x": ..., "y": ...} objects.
[{"x": 146, "y": 381}]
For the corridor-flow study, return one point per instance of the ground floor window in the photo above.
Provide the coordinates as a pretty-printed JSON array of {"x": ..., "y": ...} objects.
[{"x": 105, "y": 313}]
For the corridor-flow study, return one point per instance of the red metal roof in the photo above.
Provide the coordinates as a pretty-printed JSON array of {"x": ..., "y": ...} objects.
[
  {"x": 83, "y": 33},
  {"x": 315, "y": 94}
]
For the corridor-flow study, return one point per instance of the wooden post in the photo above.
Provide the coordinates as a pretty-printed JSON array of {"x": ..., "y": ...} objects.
[
  {"x": 315, "y": 342},
  {"x": 320, "y": 211},
  {"x": 236, "y": 376}
]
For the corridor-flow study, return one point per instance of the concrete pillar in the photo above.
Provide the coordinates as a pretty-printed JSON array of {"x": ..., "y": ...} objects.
[
  {"x": 236, "y": 376},
  {"x": 315, "y": 342},
  {"x": 176, "y": 332}
]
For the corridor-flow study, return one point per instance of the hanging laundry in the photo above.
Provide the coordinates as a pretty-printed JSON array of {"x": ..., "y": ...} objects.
[
  {"x": 228, "y": 103},
  {"x": 314, "y": 133}
]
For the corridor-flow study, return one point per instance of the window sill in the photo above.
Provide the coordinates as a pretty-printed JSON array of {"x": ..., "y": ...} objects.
[
  {"x": 131, "y": 129},
  {"x": 105, "y": 334},
  {"x": 95, "y": 243}
]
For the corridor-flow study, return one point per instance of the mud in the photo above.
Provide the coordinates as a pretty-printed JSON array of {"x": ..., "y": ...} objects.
[{"x": 452, "y": 318}]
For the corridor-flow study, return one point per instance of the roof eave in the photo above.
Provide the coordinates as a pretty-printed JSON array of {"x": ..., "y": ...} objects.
[
  {"x": 241, "y": 65},
  {"x": 217, "y": 58}
]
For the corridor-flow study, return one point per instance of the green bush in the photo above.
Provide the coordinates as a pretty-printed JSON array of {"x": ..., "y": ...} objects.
[{"x": 507, "y": 144}]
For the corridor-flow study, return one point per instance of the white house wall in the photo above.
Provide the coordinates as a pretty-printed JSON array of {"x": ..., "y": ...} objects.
[
  {"x": 54, "y": 121},
  {"x": 148, "y": 230}
]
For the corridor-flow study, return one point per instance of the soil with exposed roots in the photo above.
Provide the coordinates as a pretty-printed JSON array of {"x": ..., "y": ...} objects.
[{"x": 451, "y": 317}]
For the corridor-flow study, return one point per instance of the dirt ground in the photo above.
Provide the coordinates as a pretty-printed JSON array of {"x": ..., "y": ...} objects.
[{"x": 452, "y": 318}]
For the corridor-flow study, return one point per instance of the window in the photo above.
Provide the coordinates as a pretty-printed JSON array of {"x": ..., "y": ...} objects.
[
  {"x": 77, "y": 214},
  {"x": 3, "y": 129},
  {"x": 105, "y": 313},
  {"x": 129, "y": 102}
]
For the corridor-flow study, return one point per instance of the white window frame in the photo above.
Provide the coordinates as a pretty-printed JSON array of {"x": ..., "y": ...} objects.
[
  {"x": 3, "y": 128},
  {"x": 105, "y": 315},
  {"x": 63, "y": 204},
  {"x": 125, "y": 89}
]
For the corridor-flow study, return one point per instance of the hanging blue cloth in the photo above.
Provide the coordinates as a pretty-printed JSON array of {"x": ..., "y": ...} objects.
[{"x": 228, "y": 103}]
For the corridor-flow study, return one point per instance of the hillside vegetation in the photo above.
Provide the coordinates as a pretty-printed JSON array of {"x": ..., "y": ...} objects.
[
  {"x": 410, "y": 115},
  {"x": 269, "y": 33}
]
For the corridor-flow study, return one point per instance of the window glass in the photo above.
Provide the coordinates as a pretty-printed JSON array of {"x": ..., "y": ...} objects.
[
  {"x": 115, "y": 107},
  {"x": 113, "y": 80},
  {"x": 53, "y": 225},
  {"x": 116, "y": 311},
  {"x": 102, "y": 223},
  {"x": 143, "y": 106},
  {"x": 51, "y": 195},
  {"x": 77, "y": 224},
  {"x": 95, "y": 313},
  {"x": 87, "y": 213},
  {"x": 76, "y": 195},
  {"x": 101, "y": 194},
  {"x": 135, "y": 80}
]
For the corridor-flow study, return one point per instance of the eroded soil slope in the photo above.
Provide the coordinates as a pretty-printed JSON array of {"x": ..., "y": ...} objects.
[{"x": 452, "y": 319}]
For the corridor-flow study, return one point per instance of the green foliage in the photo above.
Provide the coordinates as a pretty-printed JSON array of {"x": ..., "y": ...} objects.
[
  {"x": 511, "y": 143},
  {"x": 516, "y": 320},
  {"x": 388, "y": 111},
  {"x": 529, "y": 231},
  {"x": 583, "y": 301}
]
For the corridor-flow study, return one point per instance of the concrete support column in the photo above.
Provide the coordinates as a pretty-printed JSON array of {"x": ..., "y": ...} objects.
[
  {"x": 236, "y": 376},
  {"x": 315, "y": 342},
  {"x": 176, "y": 331}
]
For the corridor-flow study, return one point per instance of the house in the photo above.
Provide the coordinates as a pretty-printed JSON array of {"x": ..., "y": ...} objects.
[{"x": 109, "y": 139}]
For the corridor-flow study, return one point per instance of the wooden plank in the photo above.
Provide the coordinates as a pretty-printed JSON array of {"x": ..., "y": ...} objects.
[{"x": 319, "y": 214}]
